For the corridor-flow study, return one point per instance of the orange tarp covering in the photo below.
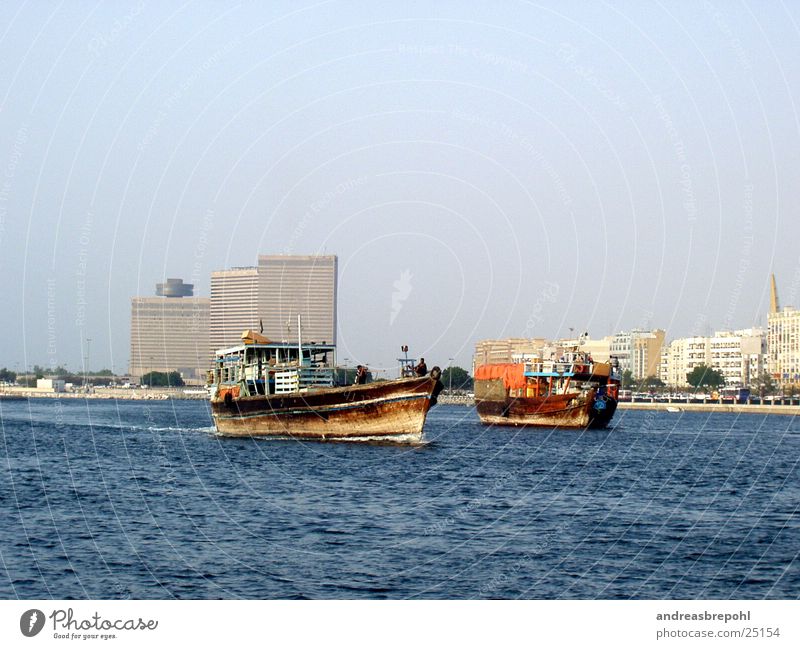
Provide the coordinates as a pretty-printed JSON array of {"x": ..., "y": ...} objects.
[
  {"x": 513, "y": 374},
  {"x": 233, "y": 391}
]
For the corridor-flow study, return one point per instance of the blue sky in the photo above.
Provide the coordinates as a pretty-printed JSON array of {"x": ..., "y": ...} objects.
[{"x": 481, "y": 169}]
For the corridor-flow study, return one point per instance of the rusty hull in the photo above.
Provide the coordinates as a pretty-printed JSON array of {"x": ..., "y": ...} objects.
[
  {"x": 563, "y": 410},
  {"x": 387, "y": 410}
]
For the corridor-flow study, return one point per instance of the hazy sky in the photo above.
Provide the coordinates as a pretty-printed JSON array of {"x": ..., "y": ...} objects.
[{"x": 482, "y": 169}]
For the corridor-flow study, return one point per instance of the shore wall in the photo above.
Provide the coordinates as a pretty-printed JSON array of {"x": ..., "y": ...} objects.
[
  {"x": 752, "y": 409},
  {"x": 111, "y": 393},
  {"x": 742, "y": 408},
  {"x": 444, "y": 399},
  {"x": 455, "y": 400}
]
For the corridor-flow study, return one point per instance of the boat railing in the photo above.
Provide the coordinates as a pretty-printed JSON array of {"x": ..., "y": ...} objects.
[
  {"x": 286, "y": 381},
  {"x": 316, "y": 377},
  {"x": 549, "y": 368}
]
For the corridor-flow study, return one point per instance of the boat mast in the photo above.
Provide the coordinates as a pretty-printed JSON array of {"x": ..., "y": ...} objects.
[{"x": 299, "y": 344}]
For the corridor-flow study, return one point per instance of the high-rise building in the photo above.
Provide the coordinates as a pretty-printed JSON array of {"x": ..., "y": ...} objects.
[
  {"x": 234, "y": 305},
  {"x": 269, "y": 298},
  {"x": 298, "y": 285},
  {"x": 170, "y": 332},
  {"x": 783, "y": 342}
]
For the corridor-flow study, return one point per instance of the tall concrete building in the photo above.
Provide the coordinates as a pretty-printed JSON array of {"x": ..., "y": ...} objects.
[
  {"x": 272, "y": 295},
  {"x": 296, "y": 285},
  {"x": 234, "y": 305},
  {"x": 783, "y": 342},
  {"x": 169, "y": 332}
]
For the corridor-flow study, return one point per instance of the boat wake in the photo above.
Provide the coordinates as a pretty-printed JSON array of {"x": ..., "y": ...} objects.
[
  {"x": 395, "y": 440},
  {"x": 377, "y": 440}
]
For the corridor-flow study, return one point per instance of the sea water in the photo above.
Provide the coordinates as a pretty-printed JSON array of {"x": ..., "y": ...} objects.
[{"x": 124, "y": 499}]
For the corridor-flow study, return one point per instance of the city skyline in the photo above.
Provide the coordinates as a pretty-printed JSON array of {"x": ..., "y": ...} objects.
[
  {"x": 249, "y": 318},
  {"x": 481, "y": 172}
]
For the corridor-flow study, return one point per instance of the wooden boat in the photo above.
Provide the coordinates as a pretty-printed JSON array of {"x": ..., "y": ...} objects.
[
  {"x": 574, "y": 393},
  {"x": 262, "y": 388}
]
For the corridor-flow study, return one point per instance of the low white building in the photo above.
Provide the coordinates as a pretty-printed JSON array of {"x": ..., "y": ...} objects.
[
  {"x": 599, "y": 349},
  {"x": 680, "y": 357},
  {"x": 50, "y": 385},
  {"x": 739, "y": 355}
]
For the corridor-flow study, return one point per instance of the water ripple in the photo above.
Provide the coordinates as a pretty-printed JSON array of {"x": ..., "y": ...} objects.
[{"x": 128, "y": 500}]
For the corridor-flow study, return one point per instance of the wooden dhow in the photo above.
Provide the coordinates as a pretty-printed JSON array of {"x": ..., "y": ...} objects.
[
  {"x": 261, "y": 388},
  {"x": 571, "y": 393}
]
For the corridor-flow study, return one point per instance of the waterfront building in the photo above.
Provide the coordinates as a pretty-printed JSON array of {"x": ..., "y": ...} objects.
[
  {"x": 298, "y": 285},
  {"x": 638, "y": 351},
  {"x": 599, "y": 349},
  {"x": 783, "y": 343},
  {"x": 680, "y": 357},
  {"x": 740, "y": 356},
  {"x": 169, "y": 332},
  {"x": 506, "y": 350},
  {"x": 50, "y": 385},
  {"x": 784, "y": 347},
  {"x": 234, "y": 306}
]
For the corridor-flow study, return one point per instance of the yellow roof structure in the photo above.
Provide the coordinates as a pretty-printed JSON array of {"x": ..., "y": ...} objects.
[{"x": 250, "y": 337}]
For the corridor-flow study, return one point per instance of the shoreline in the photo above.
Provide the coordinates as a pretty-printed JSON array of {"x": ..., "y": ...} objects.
[
  {"x": 736, "y": 408},
  {"x": 663, "y": 406},
  {"x": 444, "y": 400},
  {"x": 121, "y": 394}
]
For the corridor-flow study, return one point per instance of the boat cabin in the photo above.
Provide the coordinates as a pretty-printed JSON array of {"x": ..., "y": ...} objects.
[
  {"x": 534, "y": 378},
  {"x": 264, "y": 368}
]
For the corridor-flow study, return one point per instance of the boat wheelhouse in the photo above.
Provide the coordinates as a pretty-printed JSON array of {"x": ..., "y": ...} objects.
[{"x": 260, "y": 367}]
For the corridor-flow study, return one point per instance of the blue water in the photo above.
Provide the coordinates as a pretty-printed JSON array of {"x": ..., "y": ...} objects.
[{"x": 140, "y": 500}]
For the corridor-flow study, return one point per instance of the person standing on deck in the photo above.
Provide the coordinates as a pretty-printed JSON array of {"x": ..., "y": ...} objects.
[{"x": 421, "y": 369}]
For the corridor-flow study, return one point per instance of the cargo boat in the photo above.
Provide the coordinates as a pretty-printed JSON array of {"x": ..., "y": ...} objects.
[
  {"x": 261, "y": 388},
  {"x": 571, "y": 393}
]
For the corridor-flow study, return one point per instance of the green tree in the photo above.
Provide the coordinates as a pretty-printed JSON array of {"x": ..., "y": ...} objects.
[
  {"x": 653, "y": 382},
  {"x": 705, "y": 376},
  {"x": 457, "y": 377},
  {"x": 163, "y": 379},
  {"x": 766, "y": 385},
  {"x": 627, "y": 380},
  {"x": 7, "y": 375}
]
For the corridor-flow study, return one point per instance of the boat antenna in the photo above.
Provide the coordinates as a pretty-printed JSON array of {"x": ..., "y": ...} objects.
[{"x": 299, "y": 343}]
